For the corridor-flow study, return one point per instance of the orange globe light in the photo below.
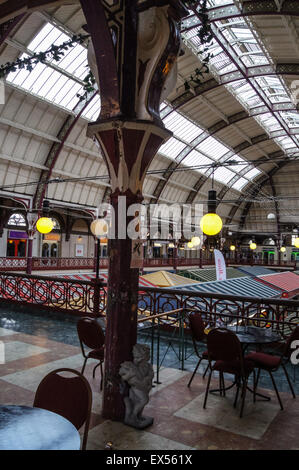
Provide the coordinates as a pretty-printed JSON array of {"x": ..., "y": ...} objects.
[
  {"x": 211, "y": 224},
  {"x": 44, "y": 225},
  {"x": 296, "y": 242},
  {"x": 252, "y": 246},
  {"x": 232, "y": 248}
]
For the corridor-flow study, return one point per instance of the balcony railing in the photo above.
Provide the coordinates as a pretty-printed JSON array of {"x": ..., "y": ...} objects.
[
  {"x": 89, "y": 297},
  {"x": 59, "y": 264}
]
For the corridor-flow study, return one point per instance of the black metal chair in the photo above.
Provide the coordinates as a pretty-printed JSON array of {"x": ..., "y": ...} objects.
[{"x": 91, "y": 335}]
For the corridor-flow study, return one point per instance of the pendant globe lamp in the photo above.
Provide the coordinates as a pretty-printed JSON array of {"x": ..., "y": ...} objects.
[
  {"x": 211, "y": 223},
  {"x": 99, "y": 228},
  {"x": 45, "y": 224}
]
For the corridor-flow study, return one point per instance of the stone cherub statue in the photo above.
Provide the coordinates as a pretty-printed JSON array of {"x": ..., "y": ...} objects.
[{"x": 139, "y": 375}]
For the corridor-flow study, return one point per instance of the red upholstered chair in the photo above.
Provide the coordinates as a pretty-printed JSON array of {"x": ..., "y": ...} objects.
[
  {"x": 91, "y": 335},
  {"x": 70, "y": 397},
  {"x": 225, "y": 349},
  {"x": 197, "y": 328},
  {"x": 271, "y": 363}
]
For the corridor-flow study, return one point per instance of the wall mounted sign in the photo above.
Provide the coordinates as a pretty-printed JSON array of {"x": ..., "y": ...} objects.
[
  {"x": 52, "y": 236},
  {"x": 79, "y": 250},
  {"x": 17, "y": 235}
]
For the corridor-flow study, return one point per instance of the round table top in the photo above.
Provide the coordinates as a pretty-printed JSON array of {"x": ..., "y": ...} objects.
[
  {"x": 28, "y": 428},
  {"x": 255, "y": 335}
]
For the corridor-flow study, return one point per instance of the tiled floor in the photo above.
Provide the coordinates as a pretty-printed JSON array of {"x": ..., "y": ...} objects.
[{"x": 180, "y": 422}]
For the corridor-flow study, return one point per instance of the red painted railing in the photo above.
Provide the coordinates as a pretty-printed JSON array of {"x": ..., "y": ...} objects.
[
  {"x": 89, "y": 298},
  {"x": 60, "y": 264}
]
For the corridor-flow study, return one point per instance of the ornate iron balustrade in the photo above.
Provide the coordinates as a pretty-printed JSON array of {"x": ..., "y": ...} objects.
[
  {"x": 52, "y": 264},
  {"x": 68, "y": 295},
  {"x": 90, "y": 298},
  {"x": 220, "y": 309}
]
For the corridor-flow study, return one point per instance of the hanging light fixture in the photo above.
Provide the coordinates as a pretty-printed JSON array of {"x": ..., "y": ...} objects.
[
  {"x": 190, "y": 245},
  {"x": 296, "y": 242},
  {"x": 195, "y": 241},
  {"x": 211, "y": 223},
  {"x": 232, "y": 248},
  {"x": 271, "y": 216},
  {"x": 99, "y": 228},
  {"x": 171, "y": 245},
  {"x": 283, "y": 249},
  {"x": 45, "y": 224},
  {"x": 252, "y": 246}
]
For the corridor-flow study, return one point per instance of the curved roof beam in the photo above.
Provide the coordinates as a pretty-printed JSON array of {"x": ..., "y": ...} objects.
[
  {"x": 256, "y": 186},
  {"x": 227, "y": 78},
  {"x": 247, "y": 8}
]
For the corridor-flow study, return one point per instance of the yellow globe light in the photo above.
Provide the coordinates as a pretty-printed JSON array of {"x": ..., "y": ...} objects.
[
  {"x": 99, "y": 228},
  {"x": 44, "y": 225},
  {"x": 195, "y": 241},
  {"x": 296, "y": 242},
  {"x": 211, "y": 224},
  {"x": 190, "y": 244},
  {"x": 252, "y": 246},
  {"x": 232, "y": 248},
  {"x": 283, "y": 249}
]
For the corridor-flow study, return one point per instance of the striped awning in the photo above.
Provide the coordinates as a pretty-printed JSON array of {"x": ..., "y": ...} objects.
[
  {"x": 245, "y": 286},
  {"x": 166, "y": 279},
  {"x": 104, "y": 276},
  {"x": 209, "y": 274},
  {"x": 255, "y": 270},
  {"x": 288, "y": 282}
]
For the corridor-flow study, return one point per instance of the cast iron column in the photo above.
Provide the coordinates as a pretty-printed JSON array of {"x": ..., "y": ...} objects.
[{"x": 132, "y": 55}]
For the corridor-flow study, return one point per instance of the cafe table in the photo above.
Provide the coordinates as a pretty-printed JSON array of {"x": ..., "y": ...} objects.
[
  {"x": 30, "y": 428},
  {"x": 249, "y": 336}
]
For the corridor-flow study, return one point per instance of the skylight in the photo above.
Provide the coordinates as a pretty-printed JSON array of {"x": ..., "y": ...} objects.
[{"x": 58, "y": 82}]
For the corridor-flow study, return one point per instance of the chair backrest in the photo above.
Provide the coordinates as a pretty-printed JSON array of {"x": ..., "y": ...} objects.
[
  {"x": 70, "y": 397},
  {"x": 294, "y": 336},
  {"x": 90, "y": 333},
  {"x": 197, "y": 326},
  {"x": 224, "y": 345}
]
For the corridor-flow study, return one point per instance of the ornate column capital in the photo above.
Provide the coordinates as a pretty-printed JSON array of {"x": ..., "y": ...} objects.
[{"x": 128, "y": 148}]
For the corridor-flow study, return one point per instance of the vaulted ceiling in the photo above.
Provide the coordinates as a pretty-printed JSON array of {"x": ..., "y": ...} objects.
[{"x": 239, "y": 124}]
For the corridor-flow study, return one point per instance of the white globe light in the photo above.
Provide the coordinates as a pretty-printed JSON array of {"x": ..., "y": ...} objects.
[
  {"x": 99, "y": 228},
  {"x": 271, "y": 216},
  {"x": 195, "y": 241}
]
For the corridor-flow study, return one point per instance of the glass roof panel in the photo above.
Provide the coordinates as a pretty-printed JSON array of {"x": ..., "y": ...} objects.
[
  {"x": 212, "y": 148},
  {"x": 252, "y": 173},
  {"x": 182, "y": 127},
  {"x": 172, "y": 148},
  {"x": 239, "y": 184},
  {"x": 195, "y": 158},
  {"x": 223, "y": 174}
]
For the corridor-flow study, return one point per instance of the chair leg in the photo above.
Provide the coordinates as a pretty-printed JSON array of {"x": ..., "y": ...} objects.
[
  {"x": 223, "y": 384},
  {"x": 256, "y": 381},
  {"x": 254, "y": 387},
  {"x": 83, "y": 368},
  {"x": 194, "y": 372},
  {"x": 237, "y": 392},
  {"x": 244, "y": 388},
  {"x": 207, "y": 368},
  {"x": 276, "y": 391},
  {"x": 288, "y": 379},
  {"x": 207, "y": 389},
  {"x": 94, "y": 369},
  {"x": 101, "y": 387}
]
